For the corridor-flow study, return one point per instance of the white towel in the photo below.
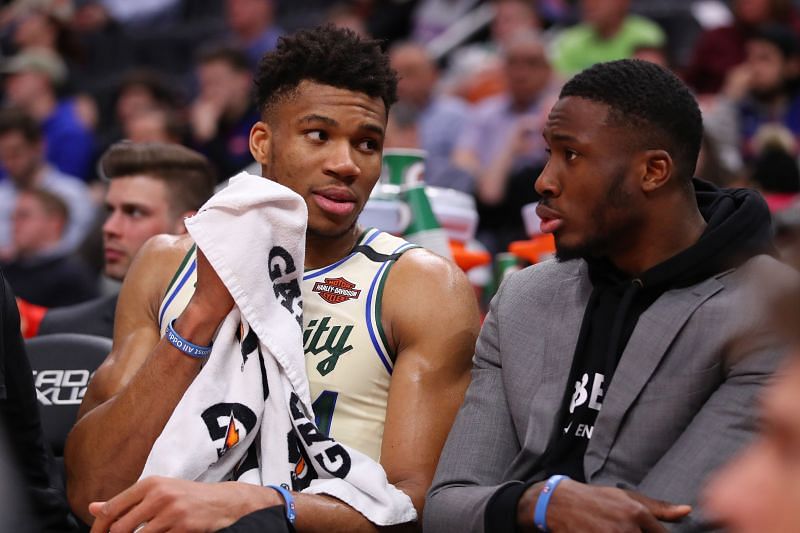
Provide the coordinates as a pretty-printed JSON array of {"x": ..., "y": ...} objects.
[{"x": 247, "y": 416}]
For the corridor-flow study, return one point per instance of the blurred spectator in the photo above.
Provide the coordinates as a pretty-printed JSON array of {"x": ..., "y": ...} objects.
[
  {"x": 402, "y": 130},
  {"x": 439, "y": 118},
  {"x": 476, "y": 71},
  {"x": 432, "y": 17},
  {"x": 759, "y": 93},
  {"x": 653, "y": 54},
  {"x": 158, "y": 125},
  {"x": 345, "y": 15},
  {"x": 512, "y": 17},
  {"x": 253, "y": 25},
  {"x": 140, "y": 91},
  {"x": 22, "y": 155},
  {"x": 31, "y": 81},
  {"x": 606, "y": 32},
  {"x": 503, "y": 138},
  {"x": 720, "y": 49},
  {"x": 223, "y": 112},
  {"x": 41, "y": 273},
  {"x": 93, "y": 15},
  {"x": 40, "y": 24},
  {"x": 152, "y": 188}
]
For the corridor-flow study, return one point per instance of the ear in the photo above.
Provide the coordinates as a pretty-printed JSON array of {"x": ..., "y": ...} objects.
[
  {"x": 658, "y": 169},
  {"x": 260, "y": 142}
]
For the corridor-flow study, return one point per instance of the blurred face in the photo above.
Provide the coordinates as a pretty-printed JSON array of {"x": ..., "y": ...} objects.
[
  {"x": 601, "y": 13},
  {"x": 34, "y": 29},
  {"x": 223, "y": 85},
  {"x": 133, "y": 101},
  {"x": 325, "y": 144},
  {"x": 34, "y": 229},
  {"x": 759, "y": 491},
  {"x": 148, "y": 127},
  {"x": 753, "y": 12},
  {"x": 20, "y": 158},
  {"x": 243, "y": 14},
  {"x": 527, "y": 70},
  {"x": 417, "y": 75},
  {"x": 24, "y": 88},
  {"x": 138, "y": 207},
  {"x": 511, "y": 18},
  {"x": 768, "y": 66},
  {"x": 587, "y": 187}
]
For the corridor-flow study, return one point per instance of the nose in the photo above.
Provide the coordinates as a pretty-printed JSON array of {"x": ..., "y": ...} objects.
[
  {"x": 546, "y": 184},
  {"x": 111, "y": 227},
  {"x": 340, "y": 163}
]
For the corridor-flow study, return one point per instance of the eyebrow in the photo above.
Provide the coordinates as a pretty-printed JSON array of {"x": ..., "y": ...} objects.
[
  {"x": 563, "y": 137},
  {"x": 319, "y": 118},
  {"x": 313, "y": 117}
]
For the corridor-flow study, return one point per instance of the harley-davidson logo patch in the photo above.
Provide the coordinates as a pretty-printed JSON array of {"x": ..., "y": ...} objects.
[{"x": 336, "y": 290}]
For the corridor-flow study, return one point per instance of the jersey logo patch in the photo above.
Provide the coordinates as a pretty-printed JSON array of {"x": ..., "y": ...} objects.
[{"x": 336, "y": 290}]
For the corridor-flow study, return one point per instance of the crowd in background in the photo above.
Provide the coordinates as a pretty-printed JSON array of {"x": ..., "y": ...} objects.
[{"x": 477, "y": 80}]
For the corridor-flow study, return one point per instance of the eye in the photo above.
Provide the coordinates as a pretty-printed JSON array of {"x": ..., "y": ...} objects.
[
  {"x": 369, "y": 145},
  {"x": 133, "y": 212},
  {"x": 570, "y": 155},
  {"x": 316, "y": 135}
]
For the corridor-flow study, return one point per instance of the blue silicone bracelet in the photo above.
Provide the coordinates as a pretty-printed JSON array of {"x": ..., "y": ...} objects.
[
  {"x": 192, "y": 350},
  {"x": 540, "y": 512},
  {"x": 288, "y": 500}
]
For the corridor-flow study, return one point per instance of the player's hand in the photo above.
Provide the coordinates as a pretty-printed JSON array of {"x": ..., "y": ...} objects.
[
  {"x": 738, "y": 82},
  {"x": 204, "y": 117},
  {"x": 167, "y": 504},
  {"x": 208, "y": 307},
  {"x": 577, "y": 506}
]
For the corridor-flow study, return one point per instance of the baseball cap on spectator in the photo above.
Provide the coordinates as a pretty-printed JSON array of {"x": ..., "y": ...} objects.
[{"x": 42, "y": 61}]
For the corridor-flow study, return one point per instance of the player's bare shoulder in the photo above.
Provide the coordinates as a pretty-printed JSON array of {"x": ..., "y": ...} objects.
[
  {"x": 155, "y": 264},
  {"x": 425, "y": 292}
]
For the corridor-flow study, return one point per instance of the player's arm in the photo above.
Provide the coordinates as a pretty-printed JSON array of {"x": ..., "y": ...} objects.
[{"x": 133, "y": 393}]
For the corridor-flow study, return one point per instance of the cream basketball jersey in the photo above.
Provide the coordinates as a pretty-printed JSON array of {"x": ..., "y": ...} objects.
[{"x": 348, "y": 360}]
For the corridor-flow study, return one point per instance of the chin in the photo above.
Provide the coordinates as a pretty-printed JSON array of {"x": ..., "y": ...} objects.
[{"x": 330, "y": 231}]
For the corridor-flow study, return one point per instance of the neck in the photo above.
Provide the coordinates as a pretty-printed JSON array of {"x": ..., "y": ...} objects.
[
  {"x": 654, "y": 245},
  {"x": 322, "y": 251},
  {"x": 609, "y": 29},
  {"x": 250, "y": 33},
  {"x": 31, "y": 179},
  {"x": 42, "y": 107}
]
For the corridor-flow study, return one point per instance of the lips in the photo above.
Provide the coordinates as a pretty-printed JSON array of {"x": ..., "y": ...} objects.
[
  {"x": 551, "y": 220},
  {"x": 335, "y": 200},
  {"x": 111, "y": 255}
]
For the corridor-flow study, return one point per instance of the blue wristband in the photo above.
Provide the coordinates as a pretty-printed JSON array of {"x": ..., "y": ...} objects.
[
  {"x": 288, "y": 500},
  {"x": 192, "y": 350},
  {"x": 540, "y": 512}
]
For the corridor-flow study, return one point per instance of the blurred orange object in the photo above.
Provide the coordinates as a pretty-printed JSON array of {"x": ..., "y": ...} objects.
[
  {"x": 467, "y": 259},
  {"x": 30, "y": 316},
  {"x": 534, "y": 250}
]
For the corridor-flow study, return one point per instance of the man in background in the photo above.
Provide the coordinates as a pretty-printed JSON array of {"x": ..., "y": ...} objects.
[
  {"x": 151, "y": 189},
  {"x": 22, "y": 155},
  {"x": 42, "y": 273}
]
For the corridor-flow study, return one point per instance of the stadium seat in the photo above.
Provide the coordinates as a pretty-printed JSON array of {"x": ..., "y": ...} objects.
[{"x": 62, "y": 365}]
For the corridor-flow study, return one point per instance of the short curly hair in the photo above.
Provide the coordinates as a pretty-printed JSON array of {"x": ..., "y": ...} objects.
[
  {"x": 327, "y": 55},
  {"x": 650, "y": 101}
]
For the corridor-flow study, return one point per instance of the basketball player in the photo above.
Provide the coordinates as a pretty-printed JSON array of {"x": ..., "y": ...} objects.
[{"x": 388, "y": 367}]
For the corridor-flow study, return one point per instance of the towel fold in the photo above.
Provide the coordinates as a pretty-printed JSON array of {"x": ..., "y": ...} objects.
[{"x": 247, "y": 416}]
